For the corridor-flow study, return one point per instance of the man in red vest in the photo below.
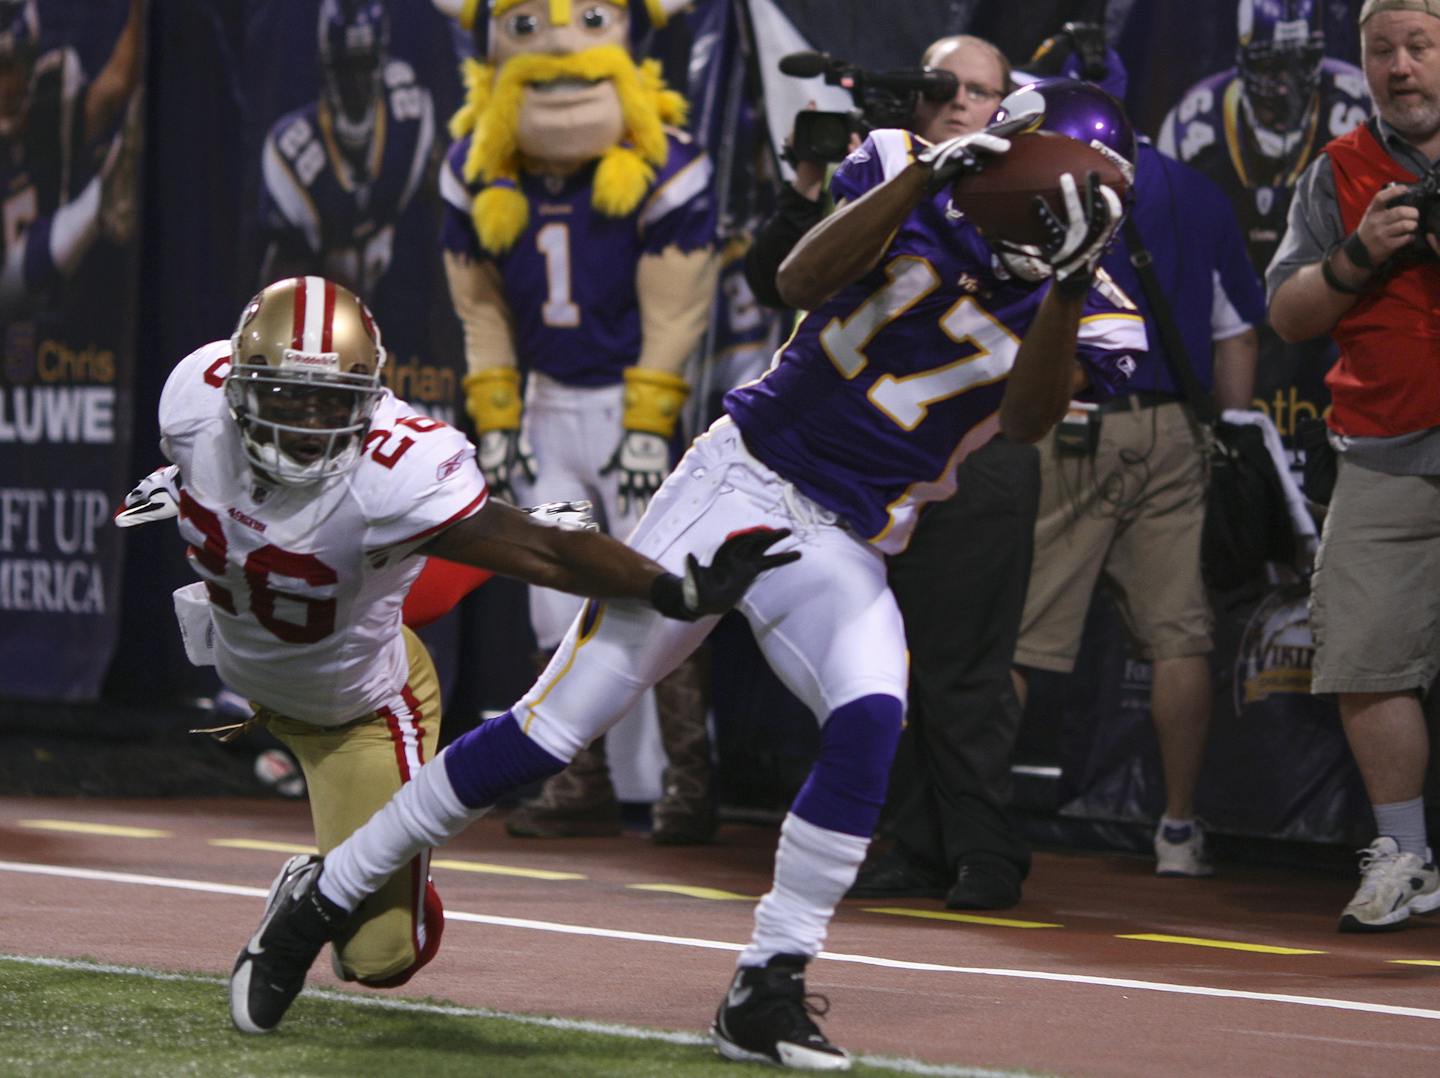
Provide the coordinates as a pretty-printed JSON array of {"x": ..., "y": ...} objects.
[{"x": 1359, "y": 262}]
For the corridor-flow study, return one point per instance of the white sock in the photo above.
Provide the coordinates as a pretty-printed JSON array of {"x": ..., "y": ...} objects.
[
  {"x": 424, "y": 812},
  {"x": 814, "y": 868}
]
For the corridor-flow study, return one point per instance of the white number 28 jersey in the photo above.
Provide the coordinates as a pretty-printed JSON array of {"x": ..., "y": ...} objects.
[{"x": 306, "y": 583}]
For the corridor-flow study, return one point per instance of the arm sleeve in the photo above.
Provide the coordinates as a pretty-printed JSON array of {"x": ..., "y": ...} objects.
[
  {"x": 457, "y": 231},
  {"x": 1239, "y": 300},
  {"x": 681, "y": 211},
  {"x": 1313, "y": 224}
]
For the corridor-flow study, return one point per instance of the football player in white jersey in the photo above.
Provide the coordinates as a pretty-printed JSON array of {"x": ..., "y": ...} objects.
[{"x": 309, "y": 496}]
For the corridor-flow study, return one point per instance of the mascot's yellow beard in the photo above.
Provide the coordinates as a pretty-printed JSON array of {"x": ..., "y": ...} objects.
[{"x": 492, "y": 112}]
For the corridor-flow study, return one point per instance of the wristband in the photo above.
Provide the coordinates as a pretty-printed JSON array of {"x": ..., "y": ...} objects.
[
  {"x": 492, "y": 397},
  {"x": 1333, "y": 282},
  {"x": 667, "y": 595},
  {"x": 653, "y": 399},
  {"x": 1357, "y": 252}
]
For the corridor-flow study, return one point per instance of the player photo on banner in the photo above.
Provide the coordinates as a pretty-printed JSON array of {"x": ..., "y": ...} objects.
[
  {"x": 71, "y": 139},
  {"x": 350, "y": 101},
  {"x": 1253, "y": 128}
]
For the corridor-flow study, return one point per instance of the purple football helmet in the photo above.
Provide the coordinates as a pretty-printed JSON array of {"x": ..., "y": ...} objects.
[
  {"x": 354, "y": 39},
  {"x": 1080, "y": 110},
  {"x": 1282, "y": 46}
]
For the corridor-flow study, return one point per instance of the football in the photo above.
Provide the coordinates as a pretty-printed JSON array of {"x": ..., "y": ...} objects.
[{"x": 1000, "y": 199}]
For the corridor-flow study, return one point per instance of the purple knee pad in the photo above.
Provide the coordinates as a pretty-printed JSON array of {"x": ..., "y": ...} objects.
[
  {"x": 847, "y": 785},
  {"x": 495, "y": 758}
]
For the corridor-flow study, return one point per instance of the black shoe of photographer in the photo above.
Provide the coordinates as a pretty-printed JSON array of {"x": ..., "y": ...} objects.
[
  {"x": 895, "y": 875},
  {"x": 984, "y": 883}
]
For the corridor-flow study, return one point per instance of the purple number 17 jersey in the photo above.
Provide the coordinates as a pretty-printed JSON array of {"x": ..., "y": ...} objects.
[{"x": 889, "y": 383}]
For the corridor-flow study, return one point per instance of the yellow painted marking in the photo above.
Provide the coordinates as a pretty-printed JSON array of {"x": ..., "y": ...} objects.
[
  {"x": 1227, "y": 945},
  {"x": 1415, "y": 961},
  {"x": 259, "y": 844},
  {"x": 693, "y": 892},
  {"x": 504, "y": 870},
  {"x": 967, "y": 918},
  {"x": 95, "y": 828}
]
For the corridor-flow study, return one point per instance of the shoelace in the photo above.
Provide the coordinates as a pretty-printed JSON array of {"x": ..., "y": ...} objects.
[
  {"x": 816, "y": 1005},
  {"x": 1371, "y": 856}
]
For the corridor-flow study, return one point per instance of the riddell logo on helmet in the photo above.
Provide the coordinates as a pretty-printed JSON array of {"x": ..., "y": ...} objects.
[{"x": 329, "y": 361}]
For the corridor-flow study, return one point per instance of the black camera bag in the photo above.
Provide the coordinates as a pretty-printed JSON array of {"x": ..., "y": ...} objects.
[{"x": 1247, "y": 522}]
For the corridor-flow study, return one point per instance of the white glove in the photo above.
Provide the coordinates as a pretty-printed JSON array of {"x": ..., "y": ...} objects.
[
  {"x": 1078, "y": 240},
  {"x": 156, "y": 497},
  {"x": 503, "y": 455},
  {"x": 643, "y": 460},
  {"x": 960, "y": 155},
  {"x": 567, "y": 516}
]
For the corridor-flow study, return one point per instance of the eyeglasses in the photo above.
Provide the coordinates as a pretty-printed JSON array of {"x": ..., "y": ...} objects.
[{"x": 980, "y": 94}]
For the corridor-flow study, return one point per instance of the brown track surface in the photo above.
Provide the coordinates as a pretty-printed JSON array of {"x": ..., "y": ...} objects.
[{"x": 963, "y": 1017}]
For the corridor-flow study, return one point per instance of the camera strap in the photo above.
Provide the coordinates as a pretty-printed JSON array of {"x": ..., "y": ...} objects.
[{"x": 1201, "y": 401}]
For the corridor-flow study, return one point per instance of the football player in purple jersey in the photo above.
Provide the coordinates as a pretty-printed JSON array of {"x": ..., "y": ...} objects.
[
  {"x": 64, "y": 185},
  {"x": 921, "y": 340},
  {"x": 1254, "y": 127},
  {"x": 338, "y": 174}
]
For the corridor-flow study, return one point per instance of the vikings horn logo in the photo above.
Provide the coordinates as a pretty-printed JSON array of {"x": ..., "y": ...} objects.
[{"x": 556, "y": 88}]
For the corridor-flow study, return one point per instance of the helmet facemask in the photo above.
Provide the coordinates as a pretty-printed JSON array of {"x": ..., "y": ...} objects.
[
  {"x": 1281, "y": 50},
  {"x": 303, "y": 412},
  {"x": 354, "y": 38}
]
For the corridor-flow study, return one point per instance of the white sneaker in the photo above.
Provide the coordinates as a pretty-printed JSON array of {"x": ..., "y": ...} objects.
[
  {"x": 1393, "y": 885},
  {"x": 1180, "y": 851}
]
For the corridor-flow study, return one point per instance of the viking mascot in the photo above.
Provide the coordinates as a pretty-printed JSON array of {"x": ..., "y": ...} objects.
[{"x": 579, "y": 250}]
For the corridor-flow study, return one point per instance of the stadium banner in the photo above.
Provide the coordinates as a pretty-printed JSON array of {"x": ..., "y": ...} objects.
[
  {"x": 72, "y": 147},
  {"x": 1248, "y": 95}
]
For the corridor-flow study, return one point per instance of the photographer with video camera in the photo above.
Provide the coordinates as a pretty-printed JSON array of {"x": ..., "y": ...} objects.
[
  {"x": 960, "y": 584},
  {"x": 882, "y": 99},
  {"x": 1358, "y": 261}
]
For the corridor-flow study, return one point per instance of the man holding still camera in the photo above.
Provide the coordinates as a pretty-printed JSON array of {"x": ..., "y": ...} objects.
[{"x": 1358, "y": 263}]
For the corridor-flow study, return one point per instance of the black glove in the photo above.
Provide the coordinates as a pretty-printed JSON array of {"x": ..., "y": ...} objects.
[
  {"x": 715, "y": 588},
  {"x": 1087, "y": 39}
]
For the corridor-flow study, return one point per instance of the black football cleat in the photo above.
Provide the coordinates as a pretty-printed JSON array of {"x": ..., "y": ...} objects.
[
  {"x": 271, "y": 967},
  {"x": 766, "y": 1018}
]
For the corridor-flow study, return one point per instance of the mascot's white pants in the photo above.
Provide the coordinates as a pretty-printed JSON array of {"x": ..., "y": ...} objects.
[
  {"x": 827, "y": 624},
  {"x": 573, "y": 432}
]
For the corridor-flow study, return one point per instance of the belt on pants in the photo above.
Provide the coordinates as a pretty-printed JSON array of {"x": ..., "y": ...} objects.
[{"x": 1141, "y": 398}]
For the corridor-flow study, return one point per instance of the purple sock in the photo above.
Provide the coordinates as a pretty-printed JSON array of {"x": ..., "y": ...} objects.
[
  {"x": 495, "y": 758},
  {"x": 847, "y": 785}
]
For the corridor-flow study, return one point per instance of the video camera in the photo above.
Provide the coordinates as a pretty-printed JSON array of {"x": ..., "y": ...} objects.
[{"x": 882, "y": 99}]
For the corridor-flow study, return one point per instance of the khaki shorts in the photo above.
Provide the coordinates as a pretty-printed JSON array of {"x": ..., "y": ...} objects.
[
  {"x": 351, "y": 771},
  {"x": 1375, "y": 595},
  {"x": 1130, "y": 518}
]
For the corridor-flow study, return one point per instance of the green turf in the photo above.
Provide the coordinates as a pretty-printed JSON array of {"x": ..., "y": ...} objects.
[{"x": 88, "y": 1019}]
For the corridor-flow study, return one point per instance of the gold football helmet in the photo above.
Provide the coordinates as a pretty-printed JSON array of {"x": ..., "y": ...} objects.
[{"x": 304, "y": 379}]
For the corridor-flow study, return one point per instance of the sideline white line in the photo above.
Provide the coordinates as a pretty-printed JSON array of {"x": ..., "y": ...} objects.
[
  {"x": 570, "y": 1025},
  {"x": 721, "y": 945}
]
